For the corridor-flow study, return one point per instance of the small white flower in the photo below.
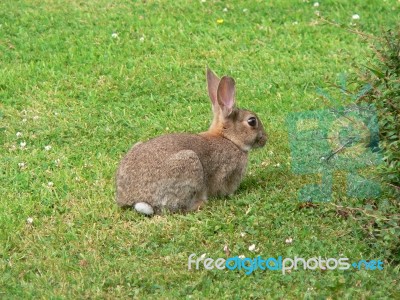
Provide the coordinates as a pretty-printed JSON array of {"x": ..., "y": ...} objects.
[
  {"x": 57, "y": 161},
  {"x": 22, "y": 144},
  {"x": 203, "y": 255},
  {"x": 265, "y": 163},
  {"x": 289, "y": 241},
  {"x": 277, "y": 165},
  {"x": 47, "y": 148},
  {"x": 50, "y": 184},
  {"x": 295, "y": 23},
  {"x": 21, "y": 165},
  {"x": 245, "y": 10},
  {"x": 242, "y": 234},
  {"x": 242, "y": 256},
  {"x": 227, "y": 250},
  {"x": 355, "y": 17},
  {"x": 271, "y": 152},
  {"x": 225, "y": 9},
  {"x": 114, "y": 35},
  {"x": 29, "y": 220},
  {"x": 316, "y": 4},
  {"x": 35, "y": 117},
  {"x": 203, "y": 1},
  {"x": 252, "y": 247},
  {"x": 18, "y": 134},
  {"x": 142, "y": 39},
  {"x": 24, "y": 120},
  {"x": 56, "y": 113}
]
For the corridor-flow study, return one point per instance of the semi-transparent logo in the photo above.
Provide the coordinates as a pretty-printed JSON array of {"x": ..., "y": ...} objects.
[{"x": 340, "y": 138}]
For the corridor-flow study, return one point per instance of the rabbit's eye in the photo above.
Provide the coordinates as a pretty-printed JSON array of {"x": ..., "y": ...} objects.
[{"x": 252, "y": 121}]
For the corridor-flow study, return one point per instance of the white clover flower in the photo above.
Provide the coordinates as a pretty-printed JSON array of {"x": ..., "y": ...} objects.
[
  {"x": 35, "y": 117},
  {"x": 29, "y": 220},
  {"x": 114, "y": 35},
  {"x": 355, "y": 17},
  {"x": 316, "y": 4},
  {"x": 142, "y": 39},
  {"x": 227, "y": 250},
  {"x": 21, "y": 165},
  {"x": 50, "y": 184},
  {"x": 243, "y": 234},
  {"x": 289, "y": 240},
  {"x": 252, "y": 247},
  {"x": 47, "y": 148},
  {"x": 242, "y": 256},
  {"x": 225, "y": 9},
  {"x": 277, "y": 165},
  {"x": 18, "y": 134},
  {"x": 22, "y": 144}
]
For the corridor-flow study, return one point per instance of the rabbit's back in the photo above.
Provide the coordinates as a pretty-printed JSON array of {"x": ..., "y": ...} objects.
[{"x": 204, "y": 165}]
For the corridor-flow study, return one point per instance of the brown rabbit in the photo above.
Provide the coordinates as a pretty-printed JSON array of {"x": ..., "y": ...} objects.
[{"x": 178, "y": 172}]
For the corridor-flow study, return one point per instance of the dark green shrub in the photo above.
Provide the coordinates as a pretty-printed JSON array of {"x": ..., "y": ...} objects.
[{"x": 384, "y": 76}]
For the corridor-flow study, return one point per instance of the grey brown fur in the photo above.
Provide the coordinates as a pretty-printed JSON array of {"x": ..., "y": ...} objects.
[{"x": 178, "y": 172}]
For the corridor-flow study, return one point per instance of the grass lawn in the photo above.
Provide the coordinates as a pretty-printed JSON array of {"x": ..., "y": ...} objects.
[{"x": 82, "y": 81}]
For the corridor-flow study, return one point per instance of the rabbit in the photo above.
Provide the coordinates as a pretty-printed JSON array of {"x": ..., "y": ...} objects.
[{"x": 179, "y": 172}]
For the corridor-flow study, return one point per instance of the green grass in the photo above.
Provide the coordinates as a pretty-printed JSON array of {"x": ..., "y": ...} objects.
[{"x": 65, "y": 81}]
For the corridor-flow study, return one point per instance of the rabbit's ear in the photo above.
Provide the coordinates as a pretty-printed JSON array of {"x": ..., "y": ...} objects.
[
  {"x": 226, "y": 95},
  {"x": 212, "y": 85}
]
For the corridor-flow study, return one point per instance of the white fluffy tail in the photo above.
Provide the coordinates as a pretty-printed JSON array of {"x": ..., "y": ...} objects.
[{"x": 144, "y": 208}]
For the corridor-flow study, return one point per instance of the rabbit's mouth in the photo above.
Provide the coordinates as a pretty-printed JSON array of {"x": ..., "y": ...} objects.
[{"x": 260, "y": 141}]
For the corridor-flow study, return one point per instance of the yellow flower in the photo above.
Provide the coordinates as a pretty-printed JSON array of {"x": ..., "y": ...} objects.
[{"x": 220, "y": 21}]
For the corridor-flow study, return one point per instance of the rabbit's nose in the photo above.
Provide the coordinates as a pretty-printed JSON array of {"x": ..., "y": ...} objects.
[{"x": 262, "y": 140}]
